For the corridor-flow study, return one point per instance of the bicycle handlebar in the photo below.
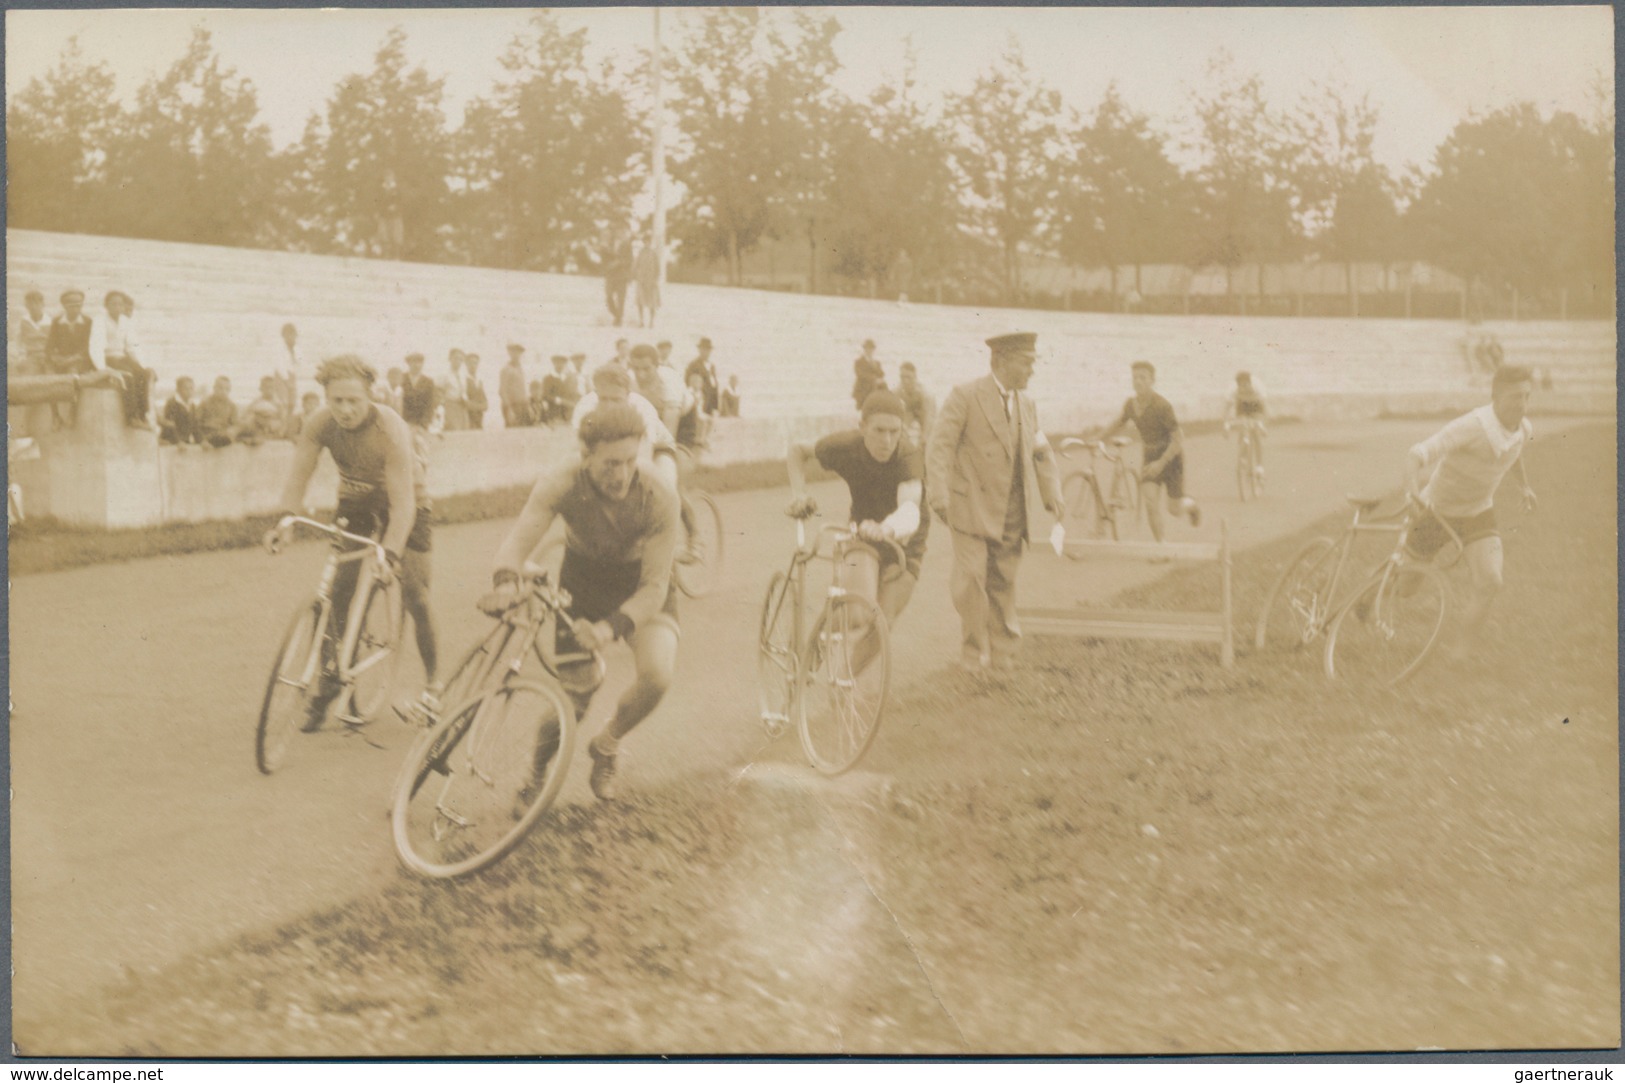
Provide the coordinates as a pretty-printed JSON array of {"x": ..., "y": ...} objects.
[{"x": 287, "y": 522}]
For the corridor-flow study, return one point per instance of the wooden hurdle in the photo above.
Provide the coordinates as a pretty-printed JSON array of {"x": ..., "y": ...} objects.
[{"x": 1113, "y": 622}]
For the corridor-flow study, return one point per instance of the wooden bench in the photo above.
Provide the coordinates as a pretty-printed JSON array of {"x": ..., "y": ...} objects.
[{"x": 1115, "y": 622}]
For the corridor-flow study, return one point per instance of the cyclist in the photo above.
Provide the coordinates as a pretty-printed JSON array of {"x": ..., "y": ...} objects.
[
  {"x": 382, "y": 493},
  {"x": 620, "y": 525},
  {"x": 1467, "y": 459},
  {"x": 611, "y": 382},
  {"x": 1164, "y": 449},
  {"x": 884, "y": 475},
  {"x": 1245, "y": 406}
]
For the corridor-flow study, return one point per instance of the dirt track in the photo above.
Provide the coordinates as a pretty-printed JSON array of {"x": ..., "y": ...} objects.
[{"x": 141, "y": 831}]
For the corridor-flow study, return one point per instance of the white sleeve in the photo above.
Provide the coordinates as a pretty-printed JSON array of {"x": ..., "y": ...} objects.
[
  {"x": 98, "y": 344},
  {"x": 1458, "y": 433}
]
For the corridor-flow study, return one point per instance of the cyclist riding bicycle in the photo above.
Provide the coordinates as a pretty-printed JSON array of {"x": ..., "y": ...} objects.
[
  {"x": 620, "y": 532},
  {"x": 884, "y": 476},
  {"x": 383, "y": 493},
  {"x": 1246, "y": 406},
  {"x": 1467, "y": 460},
  {"x": 1164, "y": 449}
]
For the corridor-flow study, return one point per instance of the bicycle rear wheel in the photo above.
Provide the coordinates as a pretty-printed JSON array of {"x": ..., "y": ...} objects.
[
  {"x": 1385, "y": 634},
  {"x": 776, "y": 660},
  {"x": 476, "y": 783},
  {"x": 283, "y": 710},
  {"x": 1246, "y": 479},
  {"x": 1084, "y": 507},
  {"x": 696, "y": 577},
  {"x": 846, "y": 669},
  {"x": 1298, "y": 604},
  {"x": 376, "y": 656}
]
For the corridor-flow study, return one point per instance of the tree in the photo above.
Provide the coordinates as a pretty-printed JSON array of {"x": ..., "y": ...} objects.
[
  {"x": 1244, "y": 186},
  {"x": 1518, "y": 200},
  {"x": 381, "y": 159},
  {"x": 1120, "y": 198},
  {"x": 1007, "y": 130},
  {"x": 551, "y": 157},
  {"x": 193, "y": 159},
  {"x": 58, "y": 129}
]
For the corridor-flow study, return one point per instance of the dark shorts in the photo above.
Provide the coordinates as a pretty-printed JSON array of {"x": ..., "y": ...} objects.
[
  {"x": 599, "y": 588},
  {"x": 1173, "y": 475},
  {"x": 370, "y": 518},
  {"x": 1428, "y": 535}
]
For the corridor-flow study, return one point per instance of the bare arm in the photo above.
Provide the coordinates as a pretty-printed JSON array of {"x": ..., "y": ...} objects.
[
  {"x": 537, "y": 515},
  {"x": 306, "y": 453},
  {"x": 796, "y": 466},
  {"x": 902, "y": 523},
  {"x": 654, "y": 576},
  {"x": 398, "y": 483}
]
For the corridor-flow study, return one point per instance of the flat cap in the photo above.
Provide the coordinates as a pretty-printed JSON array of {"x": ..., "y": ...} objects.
[
  {"x": 71, "y": 293},
  {"x": 514, "y": 347},
  {"x": 559, "y": 359},
  {"x": 705, "y": 344},
  {"x": 1019, "y": 342}
]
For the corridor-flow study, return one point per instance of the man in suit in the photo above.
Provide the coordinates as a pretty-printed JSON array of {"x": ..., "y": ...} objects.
[
  {"x": 513, "y": 392},
  {"x": 707, "y": 370},
  {"x": 988, "y": 470},
  {"x": 474, "y": 393},
  {"x": 419, "y": 395}
]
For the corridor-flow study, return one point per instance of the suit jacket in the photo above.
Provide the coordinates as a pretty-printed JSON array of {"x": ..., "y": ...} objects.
[{"x": 971, "y": 460}]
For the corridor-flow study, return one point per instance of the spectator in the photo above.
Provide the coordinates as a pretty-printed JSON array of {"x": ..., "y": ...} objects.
[
  {"x": 920, "y": 408},
  {"x": 707, "y": 370},
  {"x": 474, "y": 393},
  {"x": 868, "y": 375},
  {"x": 217, "y": 416},
  {"x": 122, "y": 354},
  {"x": 538, "y": 401},
  {"x": 179, "y": 422},
  {"x": 729, "y": 399},
  {"x": 512, "y": 392},
  {"x": 663, "y": 347},
  {"x": 651, "y": 384},
  {"x": 33, "y": 328},
  {"x": 309, "y": 403},
  {"x": 396, "y": 380},
  {"x": 577, "y": 384},
  {"x": 617, "y": 264},
  {"x": 419, "y": 396},
  {"x": 452, "y": 394},
  {"x": 76, "y": 344},
  {"x": 693, "y": 423},
  {"x": 288, "y": 365},
  {"x": 266, "y": 419},
  {"x": 646, "y": 273},
  {"x": 623, "y": 354},
  {"x": 555, "y": 392}
]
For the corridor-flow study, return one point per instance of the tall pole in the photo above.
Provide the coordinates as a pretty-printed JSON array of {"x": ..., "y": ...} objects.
[{"x": 659, "y": 155}]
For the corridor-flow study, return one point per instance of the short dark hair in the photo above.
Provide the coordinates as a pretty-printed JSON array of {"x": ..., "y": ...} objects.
[
  {"x": 1511, "y": 374},
  {"x": 345, "y": 367},
  {"x": 1148, "y": 366},
  {"x": 643, "y": 349},
  {"x": 610, "y": 421}
]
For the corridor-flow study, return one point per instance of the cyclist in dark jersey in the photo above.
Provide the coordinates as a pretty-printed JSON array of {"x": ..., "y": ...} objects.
[
  {"x": 620, "y": 533},
  {"x": 1246, "y": 405},
  {"x": 383, "y": 493},
  {"x": 1164, "y": 449}
]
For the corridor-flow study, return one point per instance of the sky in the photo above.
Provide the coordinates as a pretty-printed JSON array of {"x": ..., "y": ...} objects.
[{"x": 1425, "y": 69}]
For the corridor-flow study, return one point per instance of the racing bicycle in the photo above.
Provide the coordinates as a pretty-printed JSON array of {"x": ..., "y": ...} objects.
[
  {"x": 481, "y": 776},
  {"x": 363, "y": 662},
  {"x": 831, "y": 682},
  {"x": 1102, "y": 498},
  {"x": 1383, "y": 630},
  {"x": 1249, "y": 474}
]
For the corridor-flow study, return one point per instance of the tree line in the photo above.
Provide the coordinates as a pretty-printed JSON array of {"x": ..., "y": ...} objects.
[{"x": 767, "y": 148}]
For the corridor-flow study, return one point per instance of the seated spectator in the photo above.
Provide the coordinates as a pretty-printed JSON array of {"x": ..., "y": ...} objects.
[
  {"x": 694, "y": 424},
  {"x": 309, "y": 403},
  {"x": 538, "y": 402},
  {"x": 122, "y": 353},
  {"x": 33, "y": 328},
  {"x": 558, "y": 392},
  {"x": 729, "y": 399},
  {"x": 217, "y": 416},
  {"x": 397, "y": 382},
  {"x": 178, "y": 422},
  {"x": 266, "y": 419}
]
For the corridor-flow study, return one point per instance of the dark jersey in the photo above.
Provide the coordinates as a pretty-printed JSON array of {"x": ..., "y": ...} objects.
[
  {"x": 1155, "y": 422},
  {"x": 873, "y": 484},
  {"x": 362, "y": 454}
]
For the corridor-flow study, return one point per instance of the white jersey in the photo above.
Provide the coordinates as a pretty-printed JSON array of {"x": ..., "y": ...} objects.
[
  {"x": 656, "y": 435},
  {"x": 1472, "y": 454}
]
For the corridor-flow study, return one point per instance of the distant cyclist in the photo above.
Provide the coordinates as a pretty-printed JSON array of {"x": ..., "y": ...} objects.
[
  {"x": 1246, "y": 406},
  {"x": 620, "y": 532},
  {"x": 382, "y": 493},
  {"x": 1467, "y": 459},
  {"x": 884, "y": 475},
  {"x": 1164, "y": 449}
]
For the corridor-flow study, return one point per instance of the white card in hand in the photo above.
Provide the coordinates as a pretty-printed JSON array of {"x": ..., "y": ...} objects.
[{"x": 1057, "y": 538}]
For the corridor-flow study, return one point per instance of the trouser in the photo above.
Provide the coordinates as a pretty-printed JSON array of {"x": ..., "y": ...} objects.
[
  {"x": 615, "y": 298},
  {"x": 983, "y": 586},
  {"x": 136, "y": 401}
]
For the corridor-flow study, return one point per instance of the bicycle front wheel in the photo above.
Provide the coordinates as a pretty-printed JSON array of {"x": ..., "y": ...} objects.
[
  {"x": 287, "y": 693},
  {"x": 776, "y": 661},
  {"x": 1299, "y": 601},
  {"x": 1385, "y": 634},
  {"x": 846, "y": 668},
  {"x": 475, "y": 784},
  {"x": 376, "y": 655},
  {"x": 1246, "y": 479},
  {"x": 700, "y": 563},
  {"x": 1084, "y": 507}
]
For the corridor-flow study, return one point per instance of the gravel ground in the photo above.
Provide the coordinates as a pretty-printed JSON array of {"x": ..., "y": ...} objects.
[{"x": 1116, "y": 848}]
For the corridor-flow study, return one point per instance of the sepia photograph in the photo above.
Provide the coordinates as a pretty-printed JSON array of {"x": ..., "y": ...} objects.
[{"x": 840, "y": 531}]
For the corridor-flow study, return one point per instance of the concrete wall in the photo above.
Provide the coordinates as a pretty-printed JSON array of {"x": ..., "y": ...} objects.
[{"x": 208, "y": 311}]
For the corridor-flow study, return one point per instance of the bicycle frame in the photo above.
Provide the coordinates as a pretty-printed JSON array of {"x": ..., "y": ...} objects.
[
  {"x": 371, "y": 555},
  {"x": 526, "y": 621}
]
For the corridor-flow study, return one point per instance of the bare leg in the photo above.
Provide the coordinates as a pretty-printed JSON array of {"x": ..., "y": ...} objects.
[
  {"x": 1484, "y": 562},
  {"x": 1150, "y": 497}
]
